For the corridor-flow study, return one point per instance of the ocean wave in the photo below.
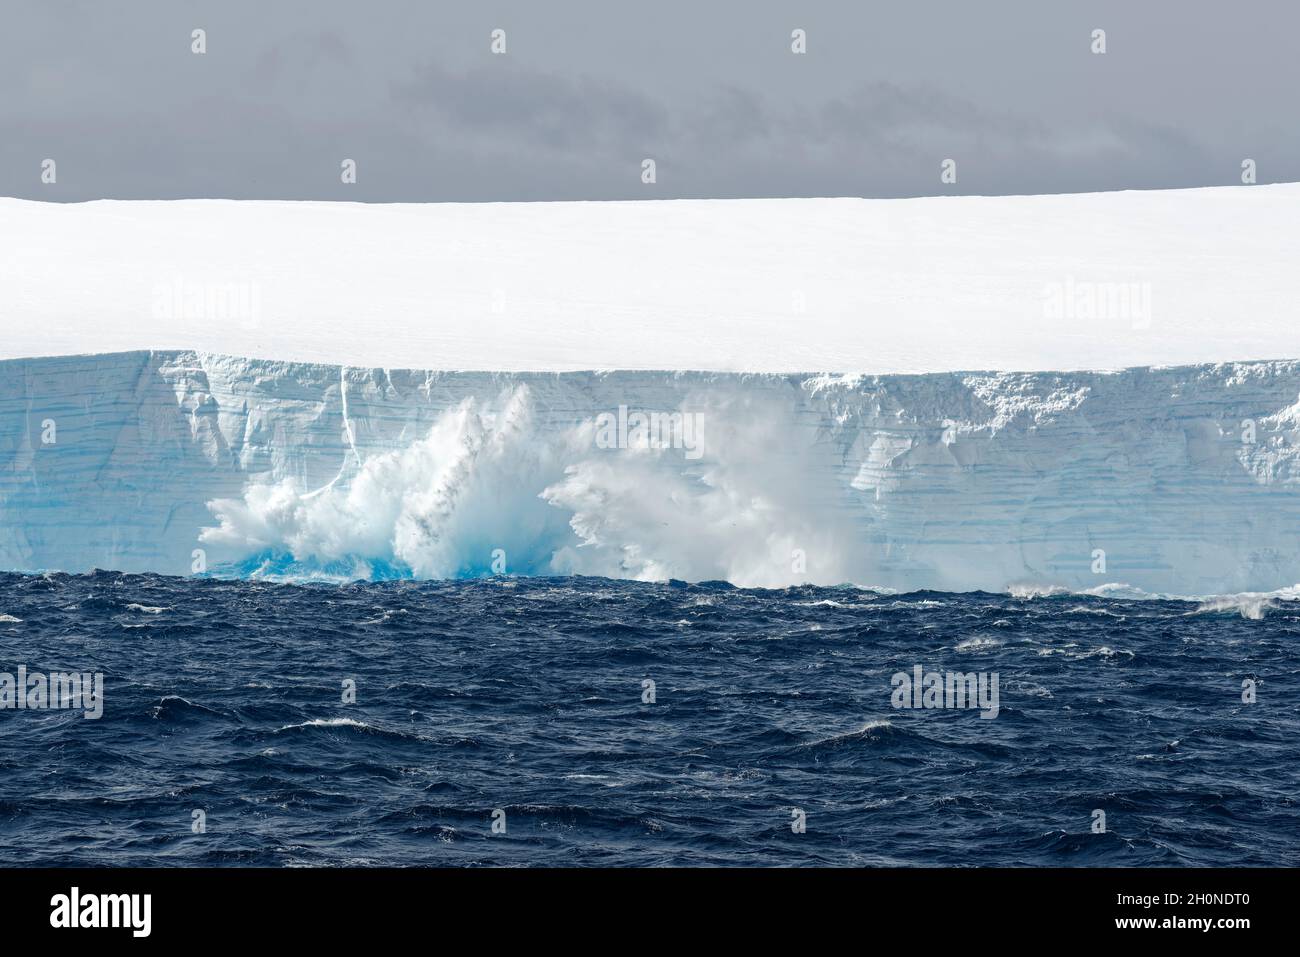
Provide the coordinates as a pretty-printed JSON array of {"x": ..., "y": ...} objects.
[
  {"x": 353, "y": 725},
  {"x": 978, "y": 643},
  {"x": 176, "y": 708},
  {"x": 326, "y": 723},
  {"x": 1028, "y": 591},
  {"x": 871, "y": 730},
  {"x": 1251, "y": 605}
]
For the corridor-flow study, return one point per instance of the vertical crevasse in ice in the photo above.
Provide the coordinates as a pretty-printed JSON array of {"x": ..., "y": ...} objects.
[{"x": 1181, "y": 480}]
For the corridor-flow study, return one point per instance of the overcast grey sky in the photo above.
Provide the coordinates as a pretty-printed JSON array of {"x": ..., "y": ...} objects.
[{"x": 587, "y": 89}]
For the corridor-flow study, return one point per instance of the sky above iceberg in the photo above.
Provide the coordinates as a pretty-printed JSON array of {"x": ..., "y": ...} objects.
[{"x": 585, "y": 91}]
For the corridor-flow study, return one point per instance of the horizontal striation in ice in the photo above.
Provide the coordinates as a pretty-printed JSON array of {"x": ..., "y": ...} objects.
[{"x": 1178, "y": 480}]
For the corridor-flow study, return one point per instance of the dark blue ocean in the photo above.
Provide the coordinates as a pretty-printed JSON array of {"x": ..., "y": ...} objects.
[{"x": 524, "y": 701}]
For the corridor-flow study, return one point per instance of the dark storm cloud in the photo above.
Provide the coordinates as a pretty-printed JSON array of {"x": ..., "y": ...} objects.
[{"x": 587, "y": 90}]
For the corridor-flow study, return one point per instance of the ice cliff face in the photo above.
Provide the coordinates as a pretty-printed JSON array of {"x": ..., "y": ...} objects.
[{"x": 1179, "y": 480}]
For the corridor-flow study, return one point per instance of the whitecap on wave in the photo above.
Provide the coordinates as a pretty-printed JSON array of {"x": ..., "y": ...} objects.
[{"x": 1251, "y": 605}]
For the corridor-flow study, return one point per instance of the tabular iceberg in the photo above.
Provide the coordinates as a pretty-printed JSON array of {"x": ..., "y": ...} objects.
[
  {"x": 1179, "y": 480},
  {"x": 245, "y": 410}
]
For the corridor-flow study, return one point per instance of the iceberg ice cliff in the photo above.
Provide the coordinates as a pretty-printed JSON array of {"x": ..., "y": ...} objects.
[{"x": 1181, "y": 480}]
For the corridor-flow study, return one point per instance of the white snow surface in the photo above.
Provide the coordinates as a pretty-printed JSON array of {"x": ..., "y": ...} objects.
[{"x": 786, "y": 285}]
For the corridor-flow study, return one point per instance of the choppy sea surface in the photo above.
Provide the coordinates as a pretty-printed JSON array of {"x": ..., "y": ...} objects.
[{"x": 525, "y": 702}]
